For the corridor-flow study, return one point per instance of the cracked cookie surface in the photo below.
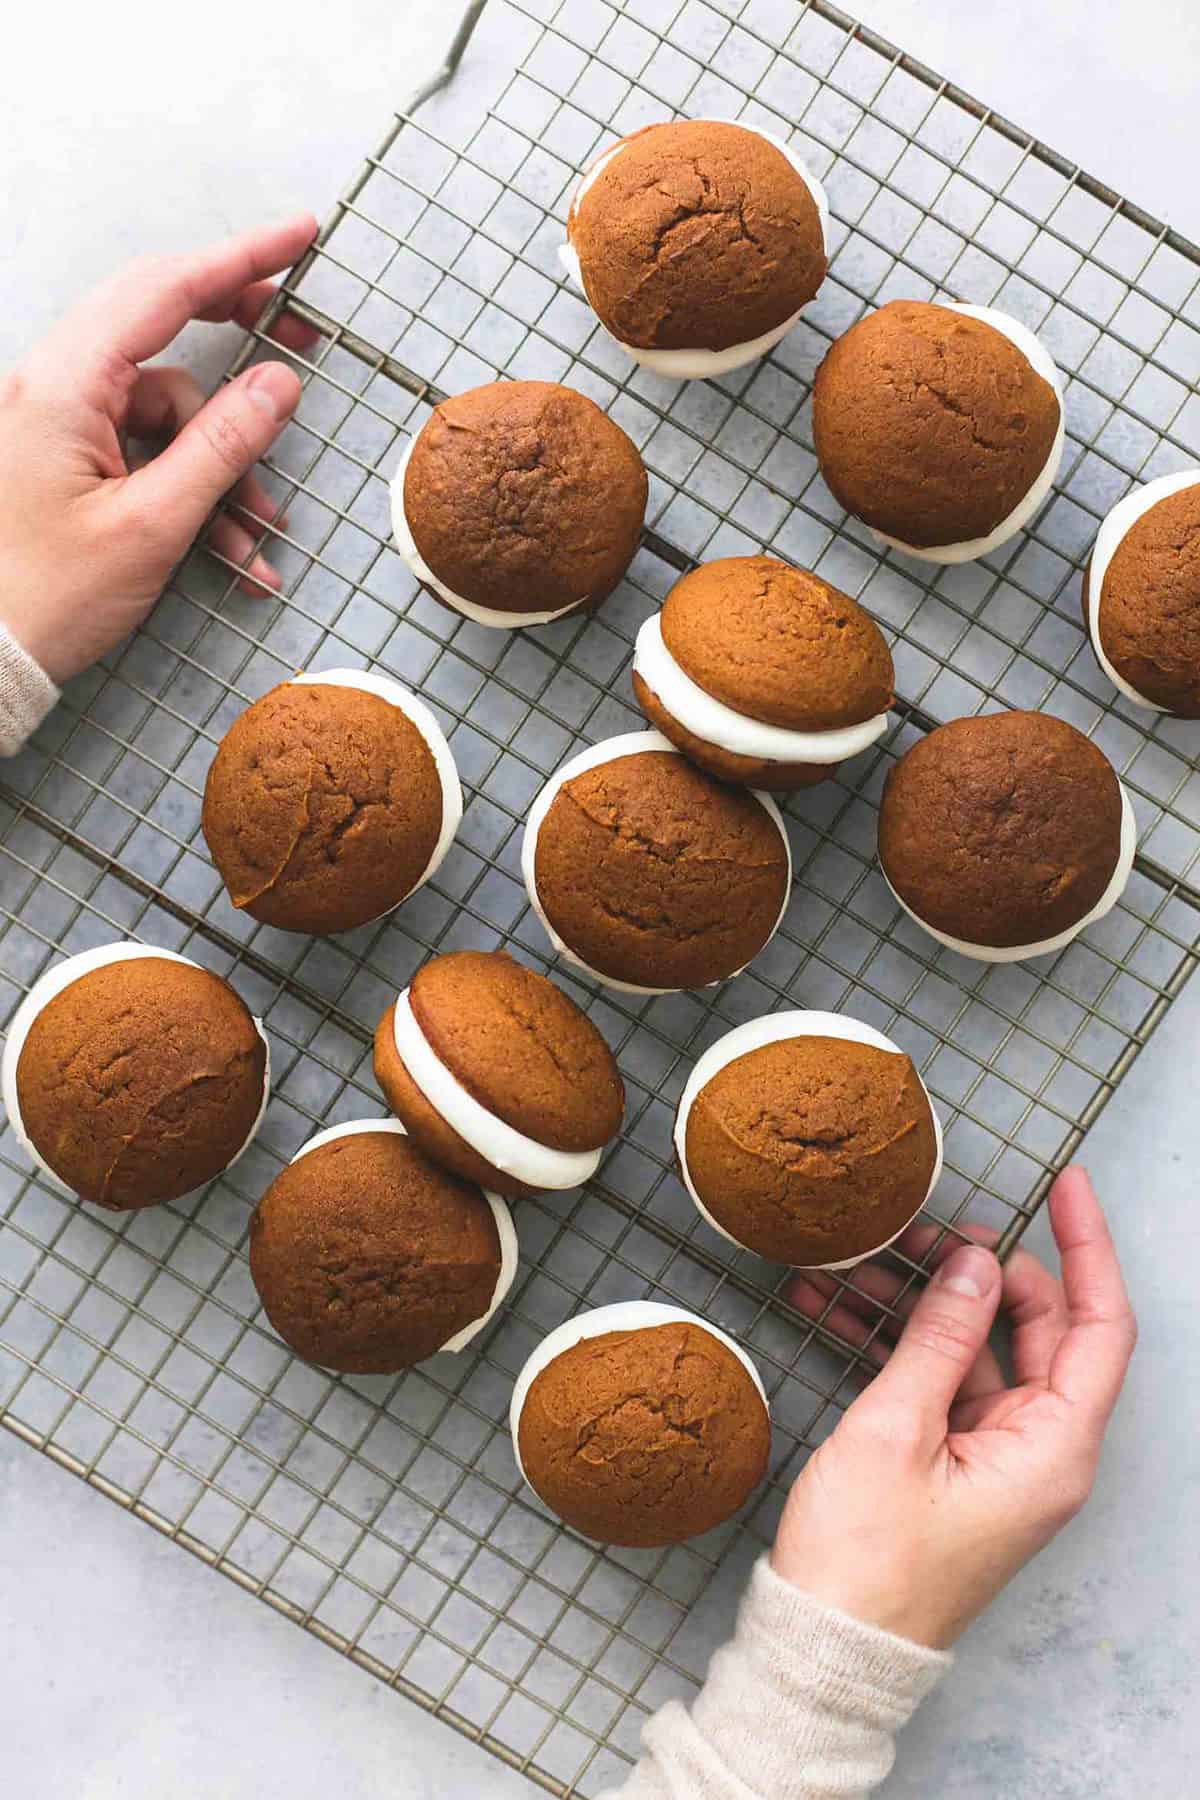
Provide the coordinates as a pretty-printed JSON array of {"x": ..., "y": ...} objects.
[
  {"x": 367, "y": 1258},
  {"x": 813, "y": 1149},
  {"x": 697, "y": 235},
  {"x": 1001, "y": 830},
  {"x": 930, "y": 425},
  {"x": 523, "y": 496},
  {"x": 1150, "y": 606},
  {"x": 322, "y": 807},
  {"x": 141, "y": 1081},
  {"x": 644, "y": 1437},
  {"x": 655, "y": 874}
]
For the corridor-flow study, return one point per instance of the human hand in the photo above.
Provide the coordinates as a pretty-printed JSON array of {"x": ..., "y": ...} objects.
[
  {"x": 941, "y": 1481},
  {"x": 86, "y": 544}
]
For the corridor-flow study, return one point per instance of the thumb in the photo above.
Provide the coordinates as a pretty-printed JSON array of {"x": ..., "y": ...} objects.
[
  {"x": 944, "y": 1335},
  {"x": 215, "y": 449}
]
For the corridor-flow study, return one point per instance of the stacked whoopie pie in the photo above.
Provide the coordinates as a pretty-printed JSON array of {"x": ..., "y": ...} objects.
[{"x": 656, "y": 861}]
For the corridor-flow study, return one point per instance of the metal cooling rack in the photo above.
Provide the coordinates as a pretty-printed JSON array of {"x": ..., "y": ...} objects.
[{"x": 386, "y": 1514}]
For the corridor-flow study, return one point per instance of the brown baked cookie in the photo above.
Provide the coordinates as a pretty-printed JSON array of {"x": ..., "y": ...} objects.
[
  {"x": 652, "y": 874},
  {"x": 141, "y": 1080},
  {"x": 324, "y": 807},
  {"x": 644, "y": 1437},
  {"x": 1149, "y": 613},
  {"x": 775, "y": 647},
  {"x": 930, "y": 425},
  {"x": 1002, "y": 830},
  {"x": 514, "y": 1042},
  {"x": 369, "y": 1259},
  {"x": 697, "y": 234},
  {"x": 523, "y": 497},
  {"x": 811, "y": 1150}
]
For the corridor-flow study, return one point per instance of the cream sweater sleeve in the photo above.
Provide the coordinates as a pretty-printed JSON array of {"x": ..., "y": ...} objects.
[
  {"x": 802, "y": 1704},
  {"x": 26, "y": 694}
]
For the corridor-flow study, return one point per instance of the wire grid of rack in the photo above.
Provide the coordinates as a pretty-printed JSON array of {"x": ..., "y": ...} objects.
[{"x": 386, "y": 1514}]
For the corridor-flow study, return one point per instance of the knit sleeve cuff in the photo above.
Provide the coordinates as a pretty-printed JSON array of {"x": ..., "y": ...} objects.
[
  {"x": 806, "y": 1696},
  {"x": 26, "y": 694}
]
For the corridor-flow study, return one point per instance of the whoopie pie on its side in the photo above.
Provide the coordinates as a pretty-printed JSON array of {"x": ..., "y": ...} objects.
[
  {"x": 1006, "y": 834},
  {"x": 498, "y": 1075},
  {"x": 763, "y": 674}
]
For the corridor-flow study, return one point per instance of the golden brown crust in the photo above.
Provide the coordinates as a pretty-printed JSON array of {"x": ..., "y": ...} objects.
[
  {"x": 367, "y": 1258},
  {"x": 141, "y": 1081},
  {"x": 930, "y": 425},
  {"x": 1149, "y": 617},
  {"x": 520, "y": 1047},
  {"x": 778, "y": 644},
  {"x": 727, "y": 765},
  {"x": 322, "y": 807},
  {"x": 644, "y": 1437},
  {"x": 524, "y": 497},
  {"x": 812, "y": 1150},
  {"x": 654, "y": 874},
  {"x": 426, "y": 1126},
  {"x": 1002, "y": 830},
  {"x": 699, "y": 235}
]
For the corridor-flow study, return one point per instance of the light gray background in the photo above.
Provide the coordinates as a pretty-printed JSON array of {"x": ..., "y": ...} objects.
[{"x": 128, "y": 1669}]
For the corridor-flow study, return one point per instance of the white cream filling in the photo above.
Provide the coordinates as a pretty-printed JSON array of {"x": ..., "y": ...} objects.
[
  {"x": 1022, "y": 952},
  {"x": 624, "y": 1315},
  {"x": 698, "y": 365},
  {"x": 509, "y": 1150},
  {"x": 48, "y": 987},
  {"x": 774, "y": 1028},
  {"x": 505, "y": 1229},
  {"x": 720, "y": 725},
  {"x": 418, "y": 714},
  {"x": 629, "y": 743},
  {"x": 1036, "y": 353},
  {"x": 1115, "y": 528},
  {"x": 406, "y": 544}
]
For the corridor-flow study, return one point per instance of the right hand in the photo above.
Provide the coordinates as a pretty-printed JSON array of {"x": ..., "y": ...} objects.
[{"x": 940, "y": 1480}]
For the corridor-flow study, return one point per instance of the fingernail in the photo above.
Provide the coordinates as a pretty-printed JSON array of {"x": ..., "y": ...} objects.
[
  {"x": 969, "y": 1271},
  {"x": 273, "y": 389}
]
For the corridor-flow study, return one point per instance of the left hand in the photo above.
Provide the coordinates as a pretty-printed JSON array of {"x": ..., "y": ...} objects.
[{"x": 85, "y": 544}]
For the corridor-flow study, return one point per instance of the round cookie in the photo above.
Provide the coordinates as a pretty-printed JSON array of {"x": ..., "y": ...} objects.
[
  {"x": 131, "y": 1075},
  {"x": 763, "y": 674},
  {"x": 940, "y": 426},
  {"x": 497, "y": 1075},
  {"x": 649, "y": 875},
  {"x": 368, "y": 1259},
  {"x": 1005, "y": 835},
  {"x": 1141, "y": 595},
  {"x": 808, "y": 1138},
  {"x": 640, "y": 1425},
  {"x": 329, "y": 801},
  {"x": 519, "y": 502},
  {"x": 698, "y": 243}
]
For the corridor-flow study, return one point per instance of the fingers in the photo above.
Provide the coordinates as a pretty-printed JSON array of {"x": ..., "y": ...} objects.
[
  {"x": 161, "y": 403},
  {"x": 1037, "y": 1314},
  {"x": 1088, "y": 1367},
  {"x": 214, "y": 451},
  {"x": 938, "y": 1347},
  {"x": 249, "y": 307},
  {"x": 137, "y": 313}
]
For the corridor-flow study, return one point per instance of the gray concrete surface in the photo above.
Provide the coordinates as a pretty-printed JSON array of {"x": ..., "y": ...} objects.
[{"x": 129, "y": 1670}]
